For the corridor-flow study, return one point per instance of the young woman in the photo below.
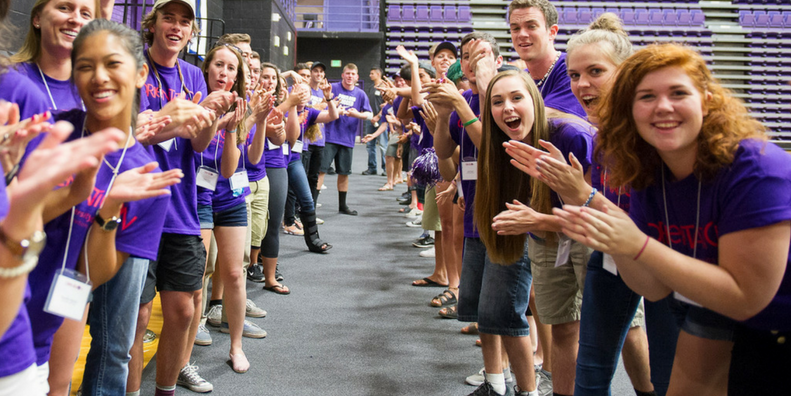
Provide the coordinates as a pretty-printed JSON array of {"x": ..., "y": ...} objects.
[
  {"x": 123, "y": 216},
  {"x": 304, "y": 118},
  {"x": 608, "y": 305},
  {"x": 45, "y": 56},
  {"x": 708, "y": 223}
]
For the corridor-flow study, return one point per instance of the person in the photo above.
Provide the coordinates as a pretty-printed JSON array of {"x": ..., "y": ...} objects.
[
  {"x": 697, "y": 161},
  {"x": 304, "y": 118},
  {"x": 132, "y": 188},
  {"x": 176, "y": 88},
  {"x": 369, "y": 127},
  {"x": 341, "y": 133},
  {"x": 313, "y": 157},
  {"x": 242, "y": 41},
  {"x": 45, "y": 55},
  {"x": 608, "y": 305},
  {"x": 292, "y": 225}
]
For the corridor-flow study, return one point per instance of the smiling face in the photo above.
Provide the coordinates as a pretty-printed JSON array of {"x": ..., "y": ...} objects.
[
  {"x": 60, "y": 21},
  {"x": 668, "y": 112},
  {"x": 173, "y": 27},
  {"x": 268, "y": 78},
  {"x": 316, "y": 75},
  {"x": 512, "y": 107},
  {"x": 107, "y": 79},
  {"x": 442, "y": 61},
  {"x": 255, "y": 71},
  {"x": 530, "y": 35},
  {"x": 222, "y": 71},
  {"x": 349, "y": 77},
  {"x": 590, "y": 68}
]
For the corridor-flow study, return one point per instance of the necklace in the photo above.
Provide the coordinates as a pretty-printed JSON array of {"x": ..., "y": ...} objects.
[{"x": 543, "y": 79}]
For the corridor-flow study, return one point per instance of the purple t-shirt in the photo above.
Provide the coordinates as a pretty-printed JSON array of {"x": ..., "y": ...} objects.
[
  {"x": 223, "y": 197},
  {"x": 310, "y": 119},
  {"x": 468, "y": 152},
  {"x": 182, "y": 216},
  {"x": 600, "y": 181},
  {"x": 572, "y": 136},
  {"x": 60, "y": 95},
  {"x": 316, "y": 97},
  {"x": 425, "y": 139},
  {"x": 16, "y": 88},
  {"x": 754, "y": 191},
  {"x": 255, "y": 172},
  {"x": 343, "y": 130},
  {"x": 556, "y": 90},
  {"x": 138, "y": 234},
  {"x": 275, "y": 156}
]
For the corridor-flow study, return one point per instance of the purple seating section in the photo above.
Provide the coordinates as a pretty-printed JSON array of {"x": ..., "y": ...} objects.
[
  {"x": 408, "y": 15},
  {"x": 658, "y": 17},
  {"x": 762, "y": 19}
]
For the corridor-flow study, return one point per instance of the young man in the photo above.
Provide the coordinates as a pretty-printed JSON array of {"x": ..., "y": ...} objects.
[
  {"x": 313, "y": 158},
  {"x": 174, "y": 88},
  {"x": 457, "y": 128},
  {"x": 341, "y": 132},
  {"x": 239, "y": 40},
  {"x": 369, "y": 127}
]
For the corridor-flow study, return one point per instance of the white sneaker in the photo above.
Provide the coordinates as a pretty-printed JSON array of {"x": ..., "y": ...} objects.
[
  {"x": 429, "y": 253},
  {"x": 214, "y": 317},
  {"x": 318, "y": 205},
  {"x": 478, "y": 378},
  {"x": 190, "y": 379},
  {"x": 415, "y": 212},
  {"x": 417, "y": 223},
  {"x": 323, "y": 187},
  {"x": 253, "y": 310},
  {"x": 319, "y": 221}
]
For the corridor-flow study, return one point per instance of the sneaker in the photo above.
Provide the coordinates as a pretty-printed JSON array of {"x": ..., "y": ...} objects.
[
  {"x": 424, "y": 242},
  {"x": 415, "y": 212},
  {"x": 214, "y": 317},
  {"x": 149, "y": 336},
  {"x": 293, "y": 230},
  {"x": 323, "y": 187},
  {"x": 190, "y": 379},
  {"x": 251, "y": 330},
  {"x": 253, "y": 311},
  {"x": 485, "y": 389},
  {"x": 318, "y": 205},
  {"x": 428, "y": 253},
  {"x": 319, "y": 221},
  {"x": 478, "y": 378},
  {"x": 544, "y": 382},
  {"x": 203, "y": 338},
  {"x": 369, "y": 172},
  {"x": 417, "y": 223},
  {"x": 255, "y": 272},
  {"x": 278, "y": 274}
]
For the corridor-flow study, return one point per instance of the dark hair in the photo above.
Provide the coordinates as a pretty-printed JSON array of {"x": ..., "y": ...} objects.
[
  {"x": 129, "y": 39},
  {"x": 480, "y": 36},
  {"x": 278, "y": 87},
  {"x": 379, "y": 69},
  {"x": 301, "y": 66},
  {"x": 428, "y": 68},
  {"x": 547, "y": 9}
]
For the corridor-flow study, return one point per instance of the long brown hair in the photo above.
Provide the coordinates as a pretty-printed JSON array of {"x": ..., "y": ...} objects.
[
  {"x": 500, "y": 182},
  {"x": 630, "y": 160},
  {"x": 239, "y": 86}
]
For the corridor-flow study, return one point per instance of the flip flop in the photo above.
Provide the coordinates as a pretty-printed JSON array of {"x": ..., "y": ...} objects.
[
  {"x": 383, "y": 188},
  {"x": 279, "y": 289},
  {"x": 472, "y": 329},
  {"x": 429, "y": 283}
]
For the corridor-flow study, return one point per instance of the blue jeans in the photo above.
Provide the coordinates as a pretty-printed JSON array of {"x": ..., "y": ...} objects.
[
  {"x": 662, "y": 330},
  {"x": 298, "y": 191},
  {"x": 380, "y": 142},
  {"x": 113, "y": 321},
  {"x": 608, "y": 307}
]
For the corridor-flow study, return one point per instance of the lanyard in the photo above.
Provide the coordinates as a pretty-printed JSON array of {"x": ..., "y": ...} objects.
[
  {"x": 667, "y": 220},
  {"x": 159, "y": 80},
  {"x": 46, "y": 85},
  {"x": 604, "y": 189}
]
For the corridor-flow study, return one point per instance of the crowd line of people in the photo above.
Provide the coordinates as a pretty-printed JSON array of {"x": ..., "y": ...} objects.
[{"x": 627, "y": 204}]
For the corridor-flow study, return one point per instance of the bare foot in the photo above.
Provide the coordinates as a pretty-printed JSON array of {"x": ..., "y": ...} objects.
[{"x": 239, "y": 362}]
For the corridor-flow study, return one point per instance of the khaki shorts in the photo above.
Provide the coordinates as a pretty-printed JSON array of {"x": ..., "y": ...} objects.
[
  {"x": 558, "y": 289},
  {"x": 259, "y": 210},
  {"x": 431, "y": 220}
]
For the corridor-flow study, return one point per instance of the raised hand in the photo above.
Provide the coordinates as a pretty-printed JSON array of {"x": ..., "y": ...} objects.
[
  {"x": 408, "y": 56},
  {"x": 16, "y": 135},
  {"x": 139, "y": 183},
  {"x": 429, "y": 114},
  {"x": 326, "y": 88},
  {"x": 443, "y": 96}
]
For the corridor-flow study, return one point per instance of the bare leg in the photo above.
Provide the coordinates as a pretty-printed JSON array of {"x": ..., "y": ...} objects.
[
  {"x": 635, "y": 359},
  {"x": 492, "y": 353},
  {"x": 565, "y": 343},
  {"x": 390, "y": 170},
  {"x": 520, "y": 354},
  {"x": 178, "y": 312},
  {"x": 440, "y": 274},
  {"x": 447, "y": 235},
  {"x": 270, "y": 264},
  {"x": 701, "y": 367},
  {"x": 64, "y": 353},
  {"x": 230, "y": 261},
  {"x": 320, "y": 182},
  {"x": 537, "y": 360},
  {"x": 544, "y": 336},
  {"x": 136, "y": 364},
  {"x": 343, "y": 183}
]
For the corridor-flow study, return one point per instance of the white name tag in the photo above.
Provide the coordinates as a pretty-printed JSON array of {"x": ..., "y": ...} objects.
[
  {"x": 239, "y": 180},
  {"x": 564, "y": 250},
  {"x": 207, "y": 178},
  {"x": 167, "y": 144},
  {"x": 609, "y": 264},
  {"x": 678, "y": 296},
  {"x": 270, "y": 145},
  {"x": 285, "y": 148},
  {"x": 68, "y": 295},
  {"x": 297, "y": 146},
  {"x": 469, "y": 170},
  {"x": 458, "y": 189}
]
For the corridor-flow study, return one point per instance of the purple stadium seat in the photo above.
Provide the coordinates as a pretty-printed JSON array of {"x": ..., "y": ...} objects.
[
  {"x": 761, "y": 19},
  {"x": 393, "y": 13},
  {"x": 596, "y": 12},
  {"x": 655, "y": 16},
  {"x": 641, "y": 18},
  {"x": 421, "y": 13},
  {"x": 698, "y": 18},
  {"x": 570, "y": 16},
  {"x": 435, "y": 14},
  {"x": 451, "y": 14},
  {"x": 746, "y": 18},
  {"x": 465, "y": 14},
  {"x": 614, "y": 10},
  {"x": 775, "y": 19},
  {"x": 670, "y": 17},
  {"x": 408, "y": 13},
  {"x": 584, "y": 16},
  {"x": 683, "y": 18},
  {"x": 627, "y": 16}
]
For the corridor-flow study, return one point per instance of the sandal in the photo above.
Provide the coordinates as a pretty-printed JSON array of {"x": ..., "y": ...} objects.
[
  {"x": 449, "y": 312},
  {"x": 279, "y": 289},
  {"x": 426, "y": 282},
  {"x": 478, "y": 342},
  {"x": 471, "y": 329},
  {"x": 386, "y": 187},
  {"x": 447, "y": 297}
]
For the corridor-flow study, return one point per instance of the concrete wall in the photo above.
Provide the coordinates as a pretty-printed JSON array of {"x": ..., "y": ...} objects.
[
  {"x": 255, "y": 17},
  {"x": 364, "y": 52}
]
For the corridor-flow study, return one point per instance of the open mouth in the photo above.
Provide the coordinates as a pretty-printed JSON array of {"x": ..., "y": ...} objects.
[
  {"x": 70, "y": 33},
  {"x": 103, "y": 95},
  {"x": 590, "y": 100},
  {"x": 174, "y": 38},
  {"x": 513, "y": 122}
]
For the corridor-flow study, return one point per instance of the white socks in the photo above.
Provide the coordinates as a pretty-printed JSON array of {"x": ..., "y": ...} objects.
[{"x": 497, "y": 381}]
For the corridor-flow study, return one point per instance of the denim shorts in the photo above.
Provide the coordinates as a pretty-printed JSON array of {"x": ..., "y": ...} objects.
[
  {"x": 494, "y": 295},
  {"x": 702, "y": 322},
  {"x": 235, "y": 216}
]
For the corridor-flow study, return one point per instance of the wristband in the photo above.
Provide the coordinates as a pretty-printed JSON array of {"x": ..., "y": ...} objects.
[
  {"x": 470, "y": 122},
  {"x": 369, "y": 117},
  {"x": 642, "y": 249},
  {"x": 231, "y": 131},
  {"x": 590, "y": 197}
]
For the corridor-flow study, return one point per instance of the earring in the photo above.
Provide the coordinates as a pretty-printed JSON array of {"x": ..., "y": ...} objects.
[{"x": 37, "y": 26}]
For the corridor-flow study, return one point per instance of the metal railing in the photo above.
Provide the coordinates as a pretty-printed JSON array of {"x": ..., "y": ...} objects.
[{"x": 339, "y": 16}]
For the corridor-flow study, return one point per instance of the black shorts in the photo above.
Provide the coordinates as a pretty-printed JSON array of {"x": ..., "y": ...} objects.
[
  {"x": 179, "y": 267},
  {"x": 342, "y": 156}
]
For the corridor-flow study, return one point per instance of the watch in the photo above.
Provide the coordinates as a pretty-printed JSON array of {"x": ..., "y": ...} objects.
[
  {"x": 26, "y": 250},
  {"x": 107, "y": 225}
]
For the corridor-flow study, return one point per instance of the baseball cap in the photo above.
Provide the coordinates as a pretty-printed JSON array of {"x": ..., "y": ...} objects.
[
  {"x": 447, "y": 46},
  {"x": 189, "y": 3},
  {"x": 318, "y": 64}
]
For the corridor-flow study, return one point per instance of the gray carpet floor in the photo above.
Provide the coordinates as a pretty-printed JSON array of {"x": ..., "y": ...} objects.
[{"x": 353, "y": 324}]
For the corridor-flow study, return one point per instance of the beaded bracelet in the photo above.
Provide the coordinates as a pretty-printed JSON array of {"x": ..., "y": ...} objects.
[
  {"x": 470, "y": 122},
  {"x": 590, "y": 197}
]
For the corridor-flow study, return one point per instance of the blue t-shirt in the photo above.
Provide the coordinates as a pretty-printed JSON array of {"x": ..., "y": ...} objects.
[
  {"x": 177, "y": 153},
  {"x": 754, "y": 191},
  {"x": 343, "y": 130},
  {"x": 468, "y": 152}
]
